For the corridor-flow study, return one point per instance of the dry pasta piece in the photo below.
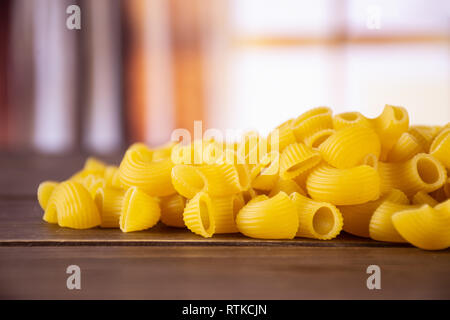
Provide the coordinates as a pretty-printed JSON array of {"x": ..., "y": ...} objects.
[
  {"x": 348, "y": 147},
  {"x": 281, "y": 136},
  {"x": 44, "y": 193},
  {"x": 265, "y": 174},
  {"x": 72, "y": 206},
  {"x": 172, "y": 208},
  {"x": 423, "y": 135},
  {"x": 312, "y": 121},
  {"x": 350, "y": 119},
  {"x": 188, "y": 153},
  {"x": 109, "y": 202},
  {"x": 224, "y": 211},
  {"x": 390, "y": 125},
  {"x": 440, "y": 148},
  {"x": 268, "y": 218},
  {"x": 424, "y": 198},
  {"x": 425, "y": 227},
  {"x": 249, "y": 194},
  {"x": 93, "y": 183},
  {"x": 357, "y": 217},
  {"x": 381, "y": 227},
  {"x": 198, "y": 215},
  {"x": 137, "y": 169},
  {"x": 164, "y": 151},
  {"x": 406, "y": 147},
  {"x": 110, "y": 175},
  {"x": 296, "y": 159},
  {"x": 92, "y": 166},
  {"x": 317, "y": 220},
  {"x": 287, "y": 186},
  {"x": 421, "y": 173},
  {"x": 344, "y": 186},
  {"x": 316, "y": 139},
  {"x": 139, "y": 211}
]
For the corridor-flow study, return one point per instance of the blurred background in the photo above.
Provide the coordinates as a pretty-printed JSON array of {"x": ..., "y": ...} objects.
[{"x": 137, "y": 69}]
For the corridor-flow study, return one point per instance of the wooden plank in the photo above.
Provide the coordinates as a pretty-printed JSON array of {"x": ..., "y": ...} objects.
[
  {"x": 222, "y": 273},
  {"x": 22, "y": 224}
]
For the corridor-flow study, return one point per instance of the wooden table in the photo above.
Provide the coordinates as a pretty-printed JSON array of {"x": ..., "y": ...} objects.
[{"x": 169, "y": 263}]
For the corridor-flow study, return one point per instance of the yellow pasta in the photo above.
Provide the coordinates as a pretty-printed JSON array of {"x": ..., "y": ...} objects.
[
  {"x": 265, "y": 174},
  {"x": 224, "y": 211},
  {"x": 268, "y": 218},
  {"x": 163, "y": 152},
  {"x": 139, "y": 211},
  {"x": 349, "y": 119},
  {"x": 111, "y": 177},
  {"x": 317, "y": 220},
  {"x": 296, "y": 159},
  {"x": 316, "y": 139},
  {"x": 109, "y": 202},
  {"x": 344, "y": 186},
  {"x": 172, "y": 208},
  {"x": 71, "y": 205},
  {"x": 357, "y": 217},
  {"x": 421, "y": 173},
  {"x": 423, "y": 135},
  {"x": 281, "y": 136},
  {"x": 440, "y": 148},
  {"x": 92, "y": 183},
  {"x": 198, "y": 215},
  {"x": 406, "y": 147},
  {"x": 348, "y": 147},
  {"x": 44, "y": 192},
  {"x": 390, "y": 125},
  {"x": 248, "y": 195},
  {"x": 92, "y": 166},
  {"x": 139, "y": 170},
  {"x": 312, "y": 121},
  {"x": 425, "y": 227},
  {"x": 287, "y": 186},
  {"x": 424, "y": 198}
]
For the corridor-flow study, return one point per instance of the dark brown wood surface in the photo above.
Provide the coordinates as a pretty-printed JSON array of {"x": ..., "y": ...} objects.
[{"x": 171, "y": 263}]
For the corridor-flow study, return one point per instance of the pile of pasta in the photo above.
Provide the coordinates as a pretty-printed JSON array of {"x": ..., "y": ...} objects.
[{"x": 313, "y": 176}]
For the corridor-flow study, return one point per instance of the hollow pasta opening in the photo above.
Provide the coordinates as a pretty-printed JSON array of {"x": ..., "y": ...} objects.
[
  {"x": 427, "y": 170},
  {"x": 323, "y": 221},
  {"x": 318, "y": 138},
  {"x": 308, "y": 163},
  {"x": 243, "y": 176},
  {"x": 371, "y": 160},
  {"x": 349, "y": 116},
  {"x": 312, "y": 113},
  {"x": 191, "y": 177},
  {"x": 204, "y": 213},
  {"x": 398, "y": 113}
]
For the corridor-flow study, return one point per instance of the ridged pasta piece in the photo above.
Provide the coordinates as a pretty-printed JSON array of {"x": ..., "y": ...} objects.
[
  {"x": 137, "y": 169},
  {"x": 110, "y": 174},
  {"x": 268, "y": 218},
  {"x": 252, "y": 147},
  {"x": 109, "y": 202},
  {"x": 316, "y": 139},
  {"x": 93, "y": 183},
  {"x": 172, "y": 208},
  {"x": 265, "y": 174},
  {"x": 348, "y": 147},
  {"x": 344, "y": 186},
  {"x": 424, "y": 198},
  {"x": 287, "y": 186},
  {"x": 425, "y": 227},
  {"x": 312, "y": 121},
  {"x": 163, "y": 152},
  {"x": 440, "y": 148},
  {"x": 381, "y": 227},
  {"x": 350, "y": 119},
  {"x": 423, "y": 135},
  {"x": 198, "y": 215},
  {"x": 72, "y": 206},
  {"x": 317, "y": 220},
  {"x": 296, "y": 159},
  {"x": 187, "y": 180},
  {"x": 390, "y": 125},
  {"x": 224, "y": 211},
  {"x": 44, "y": 193},
  {"x": 281, "y": 136},
  {"x": 421, "y": 173},
  {"x": 357, "y": 217},
  {"x": 406, "y": 147},
  {"x": 188, "y": 153},
  {"x": 139, "y": 211},
  {"x": 249, "y": 194},
  {"x": 94, "y": 165}
]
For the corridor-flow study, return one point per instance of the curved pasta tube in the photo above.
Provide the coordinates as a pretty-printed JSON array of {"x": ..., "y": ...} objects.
[
  {"x": 198, "y": 215},
  {"x": 312, "y": 121},
  {"x": 357, "y": 217},
  {"x": 317, "y": 220},
  {"x": 44, "y": 193},
  {"x": 390, "y": 125},
  {"x": 296, "y": 159},
  {"x": 172, "y": 208},
  {"x": 381, "y": 227},
  {"x": 316, "y": 139},
  {"x": 350, "y": 119},
  {"x": 249, "y": 195},
  {"x": 268, "y": 218},
  {"x": 109, "y": 202},
  {"x": 421, "y": 173},
  {"x": 93, "y": 183},
  {"x": 139, "y": 211},
  {"x": 265, "y": 174},
  {"x": 72, "y": 206},
  {"x": 344, "y": 186},
  {"x": 348, "y": 147},
  {"x": 440, "y": 148},
  {"x": 92, "y": 166},
  {"x": 423, "y": 135},
  {"x": 163, "y": 152},
  {"x": 224, "y": 211},
  {"x": 425, "y": 227},
  {"x": 406, "y": 147},
  {"x": 110, "y": 175},
  {"x": 281, "y": 136},
  {"x": 287, "y": 186},
  {"x": 424, "y": 198},
  {"x": 138, "y": 170},
  {"x": 187, "y": 153}
]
